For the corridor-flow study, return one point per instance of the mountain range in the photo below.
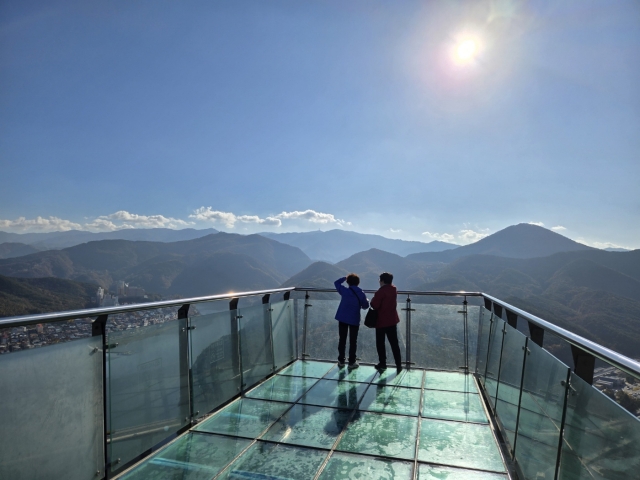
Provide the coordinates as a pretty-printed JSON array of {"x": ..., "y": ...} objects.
[
  {"x": 70, "y": 238},
  {"x": 336, "y": 245},
  {"x": 212, "y": 264},
  {"x": 589, "y": 291}
]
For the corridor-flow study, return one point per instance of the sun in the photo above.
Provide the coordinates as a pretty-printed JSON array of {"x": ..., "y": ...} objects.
[{"x": 466, "y": 50}]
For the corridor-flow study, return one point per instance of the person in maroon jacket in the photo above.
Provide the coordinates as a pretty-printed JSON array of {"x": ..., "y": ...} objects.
[{"x": 385, "y": 301}]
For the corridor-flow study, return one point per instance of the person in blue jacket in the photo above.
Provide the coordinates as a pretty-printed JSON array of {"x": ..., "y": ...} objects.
[{"x": 348, "y": 315}]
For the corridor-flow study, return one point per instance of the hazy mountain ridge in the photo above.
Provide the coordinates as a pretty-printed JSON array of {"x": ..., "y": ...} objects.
[
  {"x": 234, "y": 262},
  {"x": 337, "y": 245},
  {"x": 23, "y": 296},
  {"x": 15, "y": 249},
  {"x": 59, "y": 240}
]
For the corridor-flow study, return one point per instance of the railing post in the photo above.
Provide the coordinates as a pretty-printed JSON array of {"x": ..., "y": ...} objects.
[
  {"x": 583, "y": 364},
  {"x": 480, "y": 324},
  {"x": 99, "y": 329},
  {"x": 567, "y": 386},
  {"x": 504, "y": 334},
  {"x": 465, "y": 353},
  {"x": 268, "y": 325},
  {"x": 407, "y": 344},
  {"x": 526, "y": 352},
  {"x": 236, "y": 358},
  {"x": 486, "y": 363},
  {"x": 305, "y": 327},
  {"x": 185, "y": 365}
]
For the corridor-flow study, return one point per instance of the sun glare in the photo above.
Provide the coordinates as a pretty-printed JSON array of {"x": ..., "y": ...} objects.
[{"x": 466, "y": 50}]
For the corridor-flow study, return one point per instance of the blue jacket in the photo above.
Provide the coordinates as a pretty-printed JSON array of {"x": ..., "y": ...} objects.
[{"x": 353, "y": 299}]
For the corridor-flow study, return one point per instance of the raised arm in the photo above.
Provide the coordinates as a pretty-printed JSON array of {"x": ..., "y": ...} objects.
[{"x": 338, "y": 284}]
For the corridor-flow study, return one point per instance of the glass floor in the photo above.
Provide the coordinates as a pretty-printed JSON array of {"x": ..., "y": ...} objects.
[{"x": 315, "y": 420}]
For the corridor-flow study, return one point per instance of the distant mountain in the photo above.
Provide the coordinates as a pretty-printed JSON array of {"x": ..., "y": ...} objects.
[
  {"x": 58, "y": 240},
  {"x": 612, "y": 249},
  {"x": 11, "y": 250},
  {"x": 216, "y": 263},
  {"x": 517, "y": 241},
  {"x": 23, "y": 296},
  {"x": 592, "y": 293},
  {"x": 368, "y": 265},
  {"x": 336, "y": 245}
]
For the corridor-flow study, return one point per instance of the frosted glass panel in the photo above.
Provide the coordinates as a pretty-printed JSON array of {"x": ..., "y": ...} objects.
[
  {"x": 283, "y": 328},
  {"x": 437, "y": 336},
  {"x": 215, "y": 363},
  {"x": 148, "y": 379},
  {"x": 255, "y": 344},
  {"x": 52, "y": 412}
]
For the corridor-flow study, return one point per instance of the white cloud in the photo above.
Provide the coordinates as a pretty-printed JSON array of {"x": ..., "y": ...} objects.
[
  {"x": 558, "y": 228},
  {"x": 312, "y": 216},
  {"x": 125, "y": 219},
  {"x": 443, "y": 237},
  {"x": 39, "y": 224},
  {"x": 463, "y": 237},
  {"x": 392, "y": 230},
  {"x": 471, "y": 236},
  {"x": 230, "y": 219},
  {"x": 539, "y": 224}
]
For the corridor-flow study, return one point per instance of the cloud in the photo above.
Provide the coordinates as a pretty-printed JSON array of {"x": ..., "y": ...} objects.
[
  {"x": 39, "y": 224},
  {"x": 312, "y": 216},
  {"x": 463, "y": 237},
  {"x": 558, "y": 228},
  {"x": 125, "y": 219},
  {"x": 392, "y": 230},
  {"x": 230, "y": 219},
  {"x": 442, "y": 237},
  {"x": 471, "y": 236},
  {"x": 540, "y": 224}
]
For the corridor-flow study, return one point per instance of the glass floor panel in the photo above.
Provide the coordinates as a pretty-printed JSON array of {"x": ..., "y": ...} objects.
[
  {"x": 384, "y": 435},
  {"x": 194, "y": 456},
  {"x": 364, "y": 373},
  {"x": 316, "y": 419},
  {"x": 406, "y": 378},
  {"x": 431, "y": 472},
  {"x": 388, "y": 399},
  {"x": 309, "y": 426},
  {"x": 276, "y": 461},
  {"x": 307, "y": 368},
  {"x": 452, "y": 381},
  {"x": 330, "y": 393},
  {"x": 245, "y": 417},
  {"x": 459, "y": 444},
  {"x": 343, "y": 466},
  {"x": 465, "y": 407},
  {"x": 282, "y": 388}
]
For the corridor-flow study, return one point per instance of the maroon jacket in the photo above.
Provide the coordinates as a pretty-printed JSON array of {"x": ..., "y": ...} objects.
[{"x": 385, "y": 301}]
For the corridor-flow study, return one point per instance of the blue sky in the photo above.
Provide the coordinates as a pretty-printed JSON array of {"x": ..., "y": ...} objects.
[{"x": 289, "y": 116}]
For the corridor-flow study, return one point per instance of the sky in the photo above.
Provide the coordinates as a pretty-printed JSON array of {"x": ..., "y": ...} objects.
[{"x": 413, "y": 120}]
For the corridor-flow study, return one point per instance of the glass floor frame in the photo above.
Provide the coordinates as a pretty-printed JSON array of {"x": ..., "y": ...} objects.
[{"x": 314, "y": 420}]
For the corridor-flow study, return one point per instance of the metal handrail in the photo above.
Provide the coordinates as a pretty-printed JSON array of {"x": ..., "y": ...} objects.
[
  {"x": 95, "y": 312},
  {"x": 612, "y": 357},
  {"x": 615, "y": 359}
]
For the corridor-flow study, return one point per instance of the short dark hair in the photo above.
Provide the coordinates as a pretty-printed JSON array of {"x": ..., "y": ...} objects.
[
  {"x": 386, "y": 278},
  {"x": 353, "y": 280}
]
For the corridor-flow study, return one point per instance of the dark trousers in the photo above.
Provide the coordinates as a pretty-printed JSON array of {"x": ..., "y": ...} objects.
[
  {"x": 343, "y": 328},
  {"x": 392, "y": 334}
]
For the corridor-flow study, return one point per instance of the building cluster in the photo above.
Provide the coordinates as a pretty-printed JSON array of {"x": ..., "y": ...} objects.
[
  {"x": 619, "y": 386},
  {"x": 121, "y": 290},
  {"x": 34, "y": 336}
]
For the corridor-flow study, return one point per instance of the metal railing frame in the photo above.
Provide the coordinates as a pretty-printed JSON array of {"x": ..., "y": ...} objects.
[{"x": 584, "y": 346}]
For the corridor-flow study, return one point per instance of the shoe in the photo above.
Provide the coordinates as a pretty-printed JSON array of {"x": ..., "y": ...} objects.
[
  {"x": 398, "y": 368},
  {"x": 380, "y": 368},
  {"x": 353, "y": 365},
  {"x": 341, "y": 364}
]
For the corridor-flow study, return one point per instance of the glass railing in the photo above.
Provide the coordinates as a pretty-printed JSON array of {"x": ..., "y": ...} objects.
[
  {"x": 141, "y": 375},
  {"x": 556, "y": 424}
]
